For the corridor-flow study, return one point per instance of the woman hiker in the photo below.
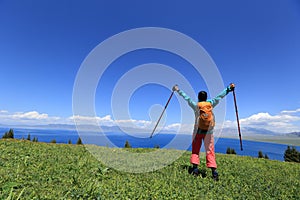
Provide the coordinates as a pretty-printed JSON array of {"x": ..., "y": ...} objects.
[{"x": 203, "y": 129}]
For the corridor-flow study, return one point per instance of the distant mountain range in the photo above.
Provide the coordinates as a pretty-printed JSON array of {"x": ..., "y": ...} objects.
[
  {"x": 294, "y": 133},
  {"x": 225, "y": 132},
  {"x": 248, "y": 131},
  {"x": 90, "y": 128}
]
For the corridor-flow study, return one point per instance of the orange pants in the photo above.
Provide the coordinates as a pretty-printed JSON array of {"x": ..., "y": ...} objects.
[{"x": 209, "y": 149}]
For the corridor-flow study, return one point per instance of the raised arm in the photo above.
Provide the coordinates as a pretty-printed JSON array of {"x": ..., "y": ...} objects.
[
  {"x": 191, "y": 103},
  {"x": 222, "y": 94}
]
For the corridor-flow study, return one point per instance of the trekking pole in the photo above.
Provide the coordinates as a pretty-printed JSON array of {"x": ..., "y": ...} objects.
[
  {"x": 237, "y": 119},
  {"x": 162, "y": 113}
]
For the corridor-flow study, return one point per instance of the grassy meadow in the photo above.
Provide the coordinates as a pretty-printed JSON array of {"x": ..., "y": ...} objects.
[{"x": 35, "y": 170}]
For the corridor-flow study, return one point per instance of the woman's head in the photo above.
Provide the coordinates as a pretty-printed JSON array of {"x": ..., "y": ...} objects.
[{"x": 202, "y": 96}]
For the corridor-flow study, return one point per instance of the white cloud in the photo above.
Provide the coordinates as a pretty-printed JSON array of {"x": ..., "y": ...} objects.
[
  {"x": 291, "y": 111},
  {"x": 134, "y": 123},
  {"x": 181, "y": 128},
  {"x": 29, "y": 115},
  {"x": 174, "y": 126},
  {"x": 108, "y": 121},
  {"x": 27, "y": 118},
  {"x": 266, "y": 117},
  {"x": 91, "y": 120},
  {"x": 283, "y": 122}
]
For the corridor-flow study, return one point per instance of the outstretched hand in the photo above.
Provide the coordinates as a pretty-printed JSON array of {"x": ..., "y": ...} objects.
[
  {"x": 231, "y": 86},
  {"x": 175, "y": 88}
]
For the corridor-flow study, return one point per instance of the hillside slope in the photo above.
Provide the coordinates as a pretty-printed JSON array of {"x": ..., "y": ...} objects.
[{"x": 30, "y": 170}]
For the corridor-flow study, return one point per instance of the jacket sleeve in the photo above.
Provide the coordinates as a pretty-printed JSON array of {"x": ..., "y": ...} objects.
[
  {"x": 191, "y": 103},
  {"x": 215, "y": 101}
]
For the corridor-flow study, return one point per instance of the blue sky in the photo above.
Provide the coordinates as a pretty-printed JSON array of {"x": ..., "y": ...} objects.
[{"x": 254, "y": 44}]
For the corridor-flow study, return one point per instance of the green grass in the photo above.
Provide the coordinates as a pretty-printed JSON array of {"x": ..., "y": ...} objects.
[{"x": 30, "y": 170}]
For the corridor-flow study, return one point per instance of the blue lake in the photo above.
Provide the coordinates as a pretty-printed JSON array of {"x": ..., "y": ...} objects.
[{"x": 250, "y": 148}]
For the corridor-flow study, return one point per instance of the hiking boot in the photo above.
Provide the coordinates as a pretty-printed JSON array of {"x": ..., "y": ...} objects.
[
  {"x": 215, "y": 175},
  {"x": 195, "y": 172}
]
